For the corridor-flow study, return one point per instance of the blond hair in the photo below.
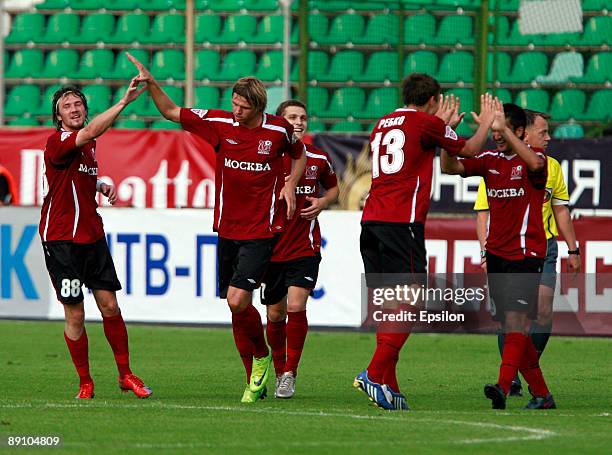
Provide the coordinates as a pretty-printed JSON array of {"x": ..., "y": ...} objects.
[{"x": 252, "y": 90}]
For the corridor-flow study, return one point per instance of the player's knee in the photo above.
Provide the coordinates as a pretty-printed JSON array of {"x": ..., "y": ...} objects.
[
  {"x": 75, "y": 318},
  {"x": 276, "y": 314},
  {"x": 238, "y": 300}
]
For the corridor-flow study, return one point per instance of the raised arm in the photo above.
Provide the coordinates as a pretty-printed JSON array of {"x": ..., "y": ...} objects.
[
  {"x": 103, "y": 121},
  {"x": 485, "y": 119},
  {"x": 164, "y": 104},
  {"x": 450, "y": 164}
]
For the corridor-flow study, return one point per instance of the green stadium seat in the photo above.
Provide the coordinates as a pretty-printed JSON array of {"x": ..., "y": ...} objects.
[
  {"x": 167, "y": 28},
  {"x": 317, "y": 99},
  {"x": 176, "y": 94},
  {"x": 345, "y": 66},
  {"x": 206, "y": 97},
  {"x": 124, "y": 69},
  {"x": 237, "y": 28},
  {"x": 260, "y": 5},
  {"x": 316, "y": 126},
  {"x": 381, "y": 66},
  {"x": 569, "y": 131},
  {"x": 419, "y": 29},
  {"x": 421, "y": 62},
  {"x": 61, "y": 27},
  {"x": 225, "y": 5},
  {"x": 53, "y": 4},
  {"x": 125, "y": 5},
  {"x": 346, "y": 126},
  {"x": 165, "y": 125},
  {"x": 508, "y": 5},
  {"x": 566, "y": 104},
  {"x": 466, "y": 98},
  {"x": 26, "y": 27},
  {"x": 269, "y": 30},
  {"x": 207, "y": 27},
  {"x": 25, "y": 63},
  {"x": 599, "y": 106},
  {"x": 344, "y": 102},
  {"x": 318, "y": 25},
  {"x": 503, "y": 66},
  {"x": 343, "y": 29},
  {"x": 332, "y": 5},
  {"x": 455, "y": 30},
  {"x": 87, "y": 4},
  {"x": 168, "y": 64},
  {"x": 381, "y": 29},
  {"x": 515, "y": 37},
  {"x": 154, "y": 5},
  {"x": 503, "y": 28},
  {"x": 564, "y": 66},
  {"x": 270, "y": 66},
  {"x": 276, "y": 95},
  {"x": 456, "y": 66},
  {"x": 534, "y": 99},
  {"x": 595, "y": 5},
  {"x": 235, "y": 65},
  {"x": 560, "y": 39},
  {"x": 597, "y": 31},
  {"x": 376, "y": 6},
  {"x": 49, "y": 122},
  {"x": 445, "y": 5},
  {"x": 22, "y": 99},
  {"x": 96, "y": 27},
  {"x": 599, "y": 70},
  {"x": 94, "y": 63},
  {"x": 502, "y": 93},
  {"x": 98, "y": 98},
  {"x": 44, "y": 108},
  {"x": 24, "y": 121},
  {"x": 527, "y": 66},
  {"x": 318, "y": 62},
  {"x": 130, "y": 28},
  {"x": 59, "y": 63},
  {"x": 130, "y": 124},
  {"x": 464, "y": 129},
  {"x": 206, "y": 64},
  {"x": 138, "y": 105},
  {"x": 380, "y": 102},
  {"x": 225, "y": 102}
]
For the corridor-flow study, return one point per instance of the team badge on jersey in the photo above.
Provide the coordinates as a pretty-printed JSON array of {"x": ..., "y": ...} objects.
[
  {"x": 65, "y": 135},
  {"x": 517, "y": 172},
  {"x": 311, "y": 172},
  {"x": 450, "y": 133},
  {"x": 547, "y": 194},
  {"x": 265, "y": 147},
  {"x": 199, "y": 112}
]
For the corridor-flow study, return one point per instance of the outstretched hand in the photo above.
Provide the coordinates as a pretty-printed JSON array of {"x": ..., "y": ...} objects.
[
  {"x": 109, "y": 191},
  {"x": 144, "y": 75},
  {"x": 133, "y": 91},
  {"x": 448, "y": 110},
  {"x": 487, "y": 110}
]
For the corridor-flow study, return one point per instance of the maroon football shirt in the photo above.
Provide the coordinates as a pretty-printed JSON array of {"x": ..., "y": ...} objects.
[
  {"x": 515, "y": 197},
  {"x": 248, "y": 170},
  {"x": 302, "y": 237},
  {"x": 69, "y": 207},
  {"x": 403, "y": 145}
]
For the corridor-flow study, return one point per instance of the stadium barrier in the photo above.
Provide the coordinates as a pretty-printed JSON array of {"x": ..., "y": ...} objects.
[{"x": 166, "y": 261}]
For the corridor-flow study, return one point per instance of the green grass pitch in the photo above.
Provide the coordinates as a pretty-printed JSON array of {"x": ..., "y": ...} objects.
[{"x": 198, "y": 380}]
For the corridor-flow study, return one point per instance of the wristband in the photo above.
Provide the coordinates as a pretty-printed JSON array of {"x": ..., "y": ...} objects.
[
  {"x": 99, "y": 185},
  {"x": 576, "y": 251}
]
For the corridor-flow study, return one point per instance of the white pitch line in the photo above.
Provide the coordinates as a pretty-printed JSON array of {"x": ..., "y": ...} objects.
[{"x": 532, "y": 433}]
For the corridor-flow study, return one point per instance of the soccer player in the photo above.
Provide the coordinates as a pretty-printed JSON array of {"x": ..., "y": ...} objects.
[
  {"x": 515, "y": 176},
  {"x": 72, "y": 234},
  {"x": 403, "y": 145},
  {"x": 555, "y": 214},
  {"x": 250, "y": 183},
  {"x": 293, "y": 271}
]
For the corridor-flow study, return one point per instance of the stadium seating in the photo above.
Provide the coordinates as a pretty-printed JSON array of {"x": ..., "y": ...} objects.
[
  {"x": 456, "y": 66},
  {"x": 207, "y": 27},
  {"x": 124, "y": 69},
  {"x": 344, "y": 66},
  {"x": 98, "y": 98},
  {"x": 23, "y": 121},
  {"x": 25, "y": 63},
  {"x": 136, "y": 106},
  {"x": 381, "y": 29},
  {"x": 315, "y": 126},
  {"x": 269, "y": 30},
  {"x": 597, "y": 31},
  {"x": 235, "y": 65},
  {"x": 595, "y": 5},
  {"x": 224, "y": 5},
  {"x": 567, "y": 104},
  {"x": 318, "y": 62},
  {"x": 466, "y": 98},
  {"x": 26, "y": 27},
  {"x": 53, "y": 4},
  {"x": 237, "y": 28},
  {"x": 527, "y": 66},
  {"x": 569, "y": 131},
  {"x": 44, "y": 107},
  {"x": 534, "y": 99},
  {"x": 22, "y": 99},
  {"x": 260, "y": 5},
  {"x": 96, "y": 27},
  {"x": 121, "y": 4},
  {"x": 155, "y": 5},
  {"x": 168, "y": 64},
  {"x": 167, "y": 28},
  {"x": 87, "y": 4},
  {"x": 508, "y": 5},
  {"x": 503, "y": 94},
  {"x": 165, "y": 125},
  {"x": 599, "y": 69},
  {"x": 564, "y": 66},
  {"x": 345, "y": 101},
  {"x": 599, "y": 106},
  {"x": 419, "y": 29},
  {"x": 134, "y": 124},
  {"x": 455, "y": 29},
  {"x": 503, "y": 65},
  {"x": 381, "y": 101},
  {"x": 130, "y": 28},
  {"x": 94, "y": 63},
  {"x": 343, "y": 28},
  {"x": 270, "y": 66},
  {"x": 421, "y": 62},
  {"x": 206, "y": 62},
  {"x": 61, "y": 27},
  {"x": 318, "y": 25},
  {"x": 59, "y": 63},
  {"x": 381, "y": 66},
  {"x": 316, "y": 99},
  {"x": 206, "y": 97},
  {"x": 176, "y": 94},
  {"x": 225, "y": 102},
  {"x": 346, "y": 126}
]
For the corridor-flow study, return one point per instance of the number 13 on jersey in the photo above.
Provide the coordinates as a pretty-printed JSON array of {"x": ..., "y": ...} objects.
[{"x": 391, "y": 159}]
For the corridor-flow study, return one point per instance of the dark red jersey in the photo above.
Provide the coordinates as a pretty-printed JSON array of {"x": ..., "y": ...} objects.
[
  {"x": 515, "y": 197},
  {"x": 302, "y": 237},
  {"x": 248, "y": 171},
  {"x": 403, "y": 145},
  {"x": 69, "y": 207}
]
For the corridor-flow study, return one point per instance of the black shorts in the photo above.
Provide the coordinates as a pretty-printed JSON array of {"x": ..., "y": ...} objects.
[
  {"x": 72, "y": 265},
  {"x": 513, "y": 285},
  {"x": 242, "y": 263},
  {"x": 301, "y": 272},
  {"x": 393, "y": 248}
]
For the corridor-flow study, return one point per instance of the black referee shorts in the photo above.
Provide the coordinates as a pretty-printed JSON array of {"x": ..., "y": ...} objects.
[{"x": 72, "y": 265}]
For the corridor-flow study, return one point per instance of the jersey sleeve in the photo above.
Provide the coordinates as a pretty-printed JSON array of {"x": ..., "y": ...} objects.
[
  {"x": 560, "y": 195},
  {"x": 61, "y": 147},
  {"x": 538, "y": 179},
  {"x": 328, "y": 176},
  {"x": 482, "y": 202},
  {"x": 195, "y": 121},
  {"x": 436, "y": 133},
  {"x": 474, "y": 166}
]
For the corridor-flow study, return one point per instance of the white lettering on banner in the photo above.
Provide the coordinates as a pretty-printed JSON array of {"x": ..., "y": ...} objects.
[
  {"x": 583, "y": 182},
  {"x": 569, "y": 302},
  {"x": 181, "y": 185},
  {"x": 32, "y": 174},
  {"x": 247, "y": 165},
  {"x": 438, "y": 250},
  {"x": 465, "y": 249},
  {"x": 134, "y": 190},
  {"x": 204, "y": 194},
  {"x": 505, "y": 192},
  {"x": 598, "y": 250},
  {"x": 464, "y": 190},
  {"x": 160, "y": 183}
]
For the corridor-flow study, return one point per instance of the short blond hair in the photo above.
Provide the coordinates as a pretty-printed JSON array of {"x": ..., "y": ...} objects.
[{"x": 252, "y": 90}]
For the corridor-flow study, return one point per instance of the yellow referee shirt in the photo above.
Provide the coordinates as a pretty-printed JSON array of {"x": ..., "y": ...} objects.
[{"x": 556, "y": 193}]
